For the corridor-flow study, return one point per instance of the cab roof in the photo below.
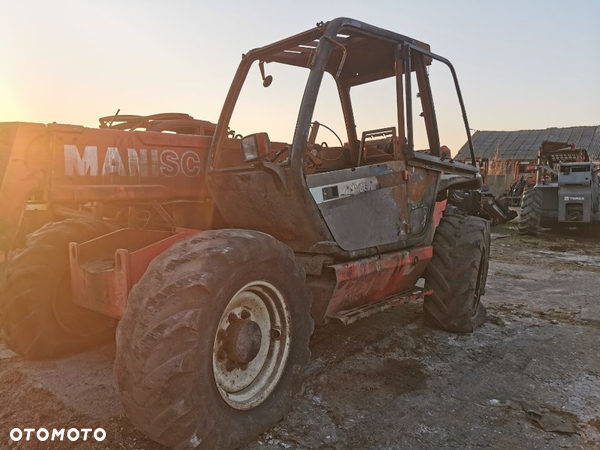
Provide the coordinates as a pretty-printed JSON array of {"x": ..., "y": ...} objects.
[{"x": 362, "y": 53}]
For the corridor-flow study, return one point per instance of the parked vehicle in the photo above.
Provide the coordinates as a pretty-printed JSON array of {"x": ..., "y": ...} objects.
[
  {"x": 566, "y": 192},
  {"x": 216, "y": 254}
]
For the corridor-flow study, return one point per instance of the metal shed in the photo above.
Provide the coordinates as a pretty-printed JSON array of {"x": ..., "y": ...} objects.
[{"x": 523, "y": 145}]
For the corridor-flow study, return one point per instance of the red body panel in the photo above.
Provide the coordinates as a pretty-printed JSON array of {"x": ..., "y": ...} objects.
[
  {"x": 42, "y": 165},
  {"x": 99, "y": 165},
  {"x": 104, "y": 270},
  {"x": 438, "y": 212},
  {"x": 371, "y": 279}
]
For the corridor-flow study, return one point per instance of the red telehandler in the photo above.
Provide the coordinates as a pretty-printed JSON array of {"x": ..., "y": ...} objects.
[{"x": 213, "y": 255}]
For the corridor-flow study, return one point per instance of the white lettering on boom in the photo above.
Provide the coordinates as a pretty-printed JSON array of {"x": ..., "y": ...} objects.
[
  {"x": 113, "y": 162},
  {"x": 75, "y": 164}
]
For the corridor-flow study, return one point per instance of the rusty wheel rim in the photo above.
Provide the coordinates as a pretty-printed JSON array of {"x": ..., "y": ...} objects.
[{"x": 251, "y": 345}]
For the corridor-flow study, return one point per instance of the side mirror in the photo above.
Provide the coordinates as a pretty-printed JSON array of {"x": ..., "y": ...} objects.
[
  {"x": 266, "y": 80},
  {"x": 255, "y": 146}
]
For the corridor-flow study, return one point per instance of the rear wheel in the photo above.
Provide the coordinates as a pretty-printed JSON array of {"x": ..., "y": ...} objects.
[
  {"x": 531, "y": 212},
  {"x": 457, "y": 274},
  {"x": 38, "y": 317},
  {"x": 214, "y": 341}
]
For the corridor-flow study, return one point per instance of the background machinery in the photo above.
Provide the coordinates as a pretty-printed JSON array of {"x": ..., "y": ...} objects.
[
  {"x": 524, "y": 179},
  {"x": 216, "y": 254},
  {"x": 481, "y": 202},
  {"x": 566, "y": 193}
]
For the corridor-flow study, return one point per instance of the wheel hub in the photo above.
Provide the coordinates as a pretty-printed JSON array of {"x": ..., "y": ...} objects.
[{"x": 242, "y": 341}]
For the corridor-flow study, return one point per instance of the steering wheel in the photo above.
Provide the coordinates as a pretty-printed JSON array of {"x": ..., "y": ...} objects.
[{"x": 314, "y": 149}]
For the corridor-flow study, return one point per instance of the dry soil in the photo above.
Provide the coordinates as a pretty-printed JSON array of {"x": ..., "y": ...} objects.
[{"x": 387, "y": 382}]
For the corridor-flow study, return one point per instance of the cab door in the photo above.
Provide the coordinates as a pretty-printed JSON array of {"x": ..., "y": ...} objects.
[
  {"x": 366, "y": 203},
  {"x": 364, "y": 206}
]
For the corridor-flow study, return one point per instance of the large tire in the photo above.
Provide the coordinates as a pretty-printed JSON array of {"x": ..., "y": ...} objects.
[
  {"x": 165, "y": 368},
  {"x": 38, "y": 318},
  {"x": 457, "y": 274},
  {"x": 531, "y": 212}
]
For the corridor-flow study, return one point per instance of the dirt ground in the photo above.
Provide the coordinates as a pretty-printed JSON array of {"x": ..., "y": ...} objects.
[{"x": 387, "y": 382}]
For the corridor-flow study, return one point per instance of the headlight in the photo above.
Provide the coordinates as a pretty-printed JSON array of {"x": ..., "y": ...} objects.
[
  {"x": 255, "y": 146},
  {"x": 249, "y": 148}
]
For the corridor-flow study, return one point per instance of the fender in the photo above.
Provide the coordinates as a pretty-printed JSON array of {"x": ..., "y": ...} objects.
[{"x": 460, "y": 182}]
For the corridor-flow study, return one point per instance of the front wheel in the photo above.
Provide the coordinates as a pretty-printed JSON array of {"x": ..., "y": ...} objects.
[
  {"x": 214, "y": 341},
  {"x": 457, "y": 274},
  {"x": 38, "y": 317}
]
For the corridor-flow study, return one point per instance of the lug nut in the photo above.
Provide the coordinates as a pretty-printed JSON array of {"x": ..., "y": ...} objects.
[{"x": 275, "y": 334}]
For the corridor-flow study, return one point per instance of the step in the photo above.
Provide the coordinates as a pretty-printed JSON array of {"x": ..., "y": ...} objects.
[{"x": 351, "y": 315}]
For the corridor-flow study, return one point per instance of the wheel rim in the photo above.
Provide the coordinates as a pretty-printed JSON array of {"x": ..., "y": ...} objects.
[{"x": 251, "y": 345}]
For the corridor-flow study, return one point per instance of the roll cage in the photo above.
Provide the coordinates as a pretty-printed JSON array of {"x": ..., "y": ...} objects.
[{"x": 354, "y": 53}]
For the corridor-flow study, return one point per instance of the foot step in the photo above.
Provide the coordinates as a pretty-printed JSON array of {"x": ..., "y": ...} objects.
[{"x": 351, "y": 315}]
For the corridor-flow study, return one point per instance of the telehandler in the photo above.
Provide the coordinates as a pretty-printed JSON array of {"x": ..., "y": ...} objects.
[
  {"x": 213, "y": 255},
  {"x": 566, "y": 191}
]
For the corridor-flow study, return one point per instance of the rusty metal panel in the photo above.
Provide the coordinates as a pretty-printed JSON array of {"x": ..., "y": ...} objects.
[
  {"x": 104, "y": 270},
  {"x": 364, "y": 206},
  {"x": 267, "y": 201},
  {"x": 375, "y": 205},
  {"x": 368, "y": 280}
]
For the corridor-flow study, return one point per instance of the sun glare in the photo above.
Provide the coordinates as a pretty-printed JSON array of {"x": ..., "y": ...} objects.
[{"x": 9, "y": 107}]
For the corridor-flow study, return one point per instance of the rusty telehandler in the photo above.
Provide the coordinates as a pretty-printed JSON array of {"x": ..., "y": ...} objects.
[
  {"x": 566, "y": 193},
  {"x": 213, "y": 255}
]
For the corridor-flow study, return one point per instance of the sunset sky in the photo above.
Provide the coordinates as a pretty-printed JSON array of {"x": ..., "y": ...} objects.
[{"x": 521, "y": 64}]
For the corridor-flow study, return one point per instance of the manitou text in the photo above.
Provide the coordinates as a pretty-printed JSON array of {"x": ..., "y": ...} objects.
[{"x": 131, "y": 162}]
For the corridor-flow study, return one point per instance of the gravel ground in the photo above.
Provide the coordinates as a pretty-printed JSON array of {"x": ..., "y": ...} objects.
[{"x": 528, "y": 378}]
